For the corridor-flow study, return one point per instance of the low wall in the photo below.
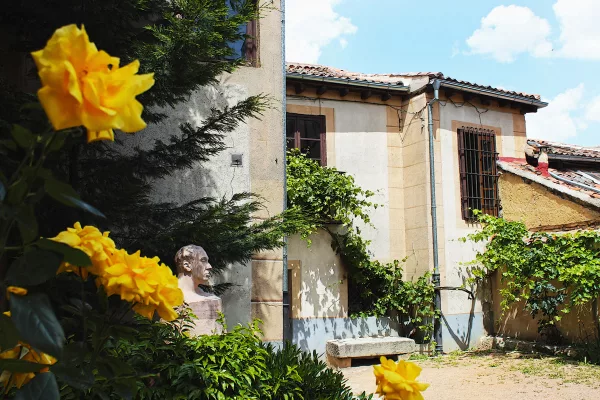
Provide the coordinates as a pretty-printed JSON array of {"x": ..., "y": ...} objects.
[{"x": 576, "y": 326}]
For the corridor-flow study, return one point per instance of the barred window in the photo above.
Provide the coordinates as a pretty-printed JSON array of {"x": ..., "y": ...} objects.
[{"x": 478, "y": 171}]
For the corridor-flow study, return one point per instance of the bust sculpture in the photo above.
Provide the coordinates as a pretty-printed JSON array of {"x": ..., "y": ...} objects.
[{"x": 193, "y": 270}]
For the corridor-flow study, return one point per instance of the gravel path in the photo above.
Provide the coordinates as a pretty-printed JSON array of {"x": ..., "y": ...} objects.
[{"x": 493, "y": 376}]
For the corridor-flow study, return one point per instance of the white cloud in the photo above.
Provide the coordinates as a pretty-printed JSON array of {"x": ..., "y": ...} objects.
[
  {"x": 592, "y": 112},
  {"x": 580, "y": 29},
  {"x": 508, "y": 31},
  {"x": 557, "y": 121},
  {"x": 310, "y": 26}
]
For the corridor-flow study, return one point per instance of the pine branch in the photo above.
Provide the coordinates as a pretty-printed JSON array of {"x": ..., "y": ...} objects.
[{"x": 196, "y": 144}]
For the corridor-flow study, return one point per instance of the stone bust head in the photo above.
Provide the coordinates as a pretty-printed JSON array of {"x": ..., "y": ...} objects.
[{"x": 192, "y": 262}]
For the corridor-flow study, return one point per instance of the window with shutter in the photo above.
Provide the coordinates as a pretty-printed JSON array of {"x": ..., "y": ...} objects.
[
  {"x": 478, "y": 171},
  {"x": 307, "y": 133}
]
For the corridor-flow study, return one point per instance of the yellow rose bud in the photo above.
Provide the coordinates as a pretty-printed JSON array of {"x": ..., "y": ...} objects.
[{"x": 19, "y": 291}]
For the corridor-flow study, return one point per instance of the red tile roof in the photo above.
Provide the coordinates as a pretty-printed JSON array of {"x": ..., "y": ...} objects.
[
  {"x": 330, "y": 72},
  {"x": 395, "y": 78},
  {"x": 563, "y": 149}
]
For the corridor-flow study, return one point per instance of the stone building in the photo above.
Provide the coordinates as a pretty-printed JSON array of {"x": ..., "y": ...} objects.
[
  {"x": 253, "y": 162},
  {"x": 376, "y": 128},
  {"x": 553, "y": 187}
]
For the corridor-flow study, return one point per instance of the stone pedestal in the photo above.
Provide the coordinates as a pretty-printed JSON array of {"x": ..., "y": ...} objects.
[{"x": 207, "y": 310}]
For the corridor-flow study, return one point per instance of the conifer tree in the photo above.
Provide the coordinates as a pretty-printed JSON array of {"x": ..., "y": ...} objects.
[{"x": 188, "y": 45}]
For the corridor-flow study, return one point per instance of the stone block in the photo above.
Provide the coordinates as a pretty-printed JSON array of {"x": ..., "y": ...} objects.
[
  {"x": 267, "y": 280},
  {"x": 395, "y": 157},
  {"x": 370, "y": 347},
  {"x": 271, "y": 314},
  {"x": 416, "y": 174}
]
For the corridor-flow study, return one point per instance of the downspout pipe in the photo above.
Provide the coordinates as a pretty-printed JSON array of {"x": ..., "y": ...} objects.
[
  {"x": 287, "y": 323},
  {"x": 437, "y": 303}
]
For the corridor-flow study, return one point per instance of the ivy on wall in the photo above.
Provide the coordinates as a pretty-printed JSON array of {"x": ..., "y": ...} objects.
[
  {"x": 329, "y": 196},
  {"x": 551, "y": 273}
]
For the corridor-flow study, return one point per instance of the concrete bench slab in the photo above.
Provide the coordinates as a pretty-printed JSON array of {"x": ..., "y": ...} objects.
[{"x": 340, "y": 352}]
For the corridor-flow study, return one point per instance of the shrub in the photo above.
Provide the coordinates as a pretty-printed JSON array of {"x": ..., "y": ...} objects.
[{"x": 235, "y": 365}]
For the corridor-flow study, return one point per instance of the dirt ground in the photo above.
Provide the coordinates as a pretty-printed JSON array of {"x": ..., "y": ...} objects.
[{"x": 494, "y": 376}]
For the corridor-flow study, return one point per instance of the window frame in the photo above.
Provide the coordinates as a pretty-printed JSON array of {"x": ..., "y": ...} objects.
[
  {"x": 297, "y": 138},
  {"x": 478, "y": 172},
  {"x": 251, "y": 53}
]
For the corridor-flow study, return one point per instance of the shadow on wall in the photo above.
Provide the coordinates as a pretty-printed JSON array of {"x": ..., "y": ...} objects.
[
  {"x": 578, "y": 326},
  {"x": 313, "y": 333},
  {"x": 459, "y": 331},
  {"x": 215, "y": 178},
  {"x": 319, "y": 297}
]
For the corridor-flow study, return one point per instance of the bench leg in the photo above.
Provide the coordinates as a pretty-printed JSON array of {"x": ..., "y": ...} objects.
[{"x": 339, "y": 362}]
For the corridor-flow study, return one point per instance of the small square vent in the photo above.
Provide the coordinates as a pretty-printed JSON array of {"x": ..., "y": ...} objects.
[{"x": 236, "y": 160}]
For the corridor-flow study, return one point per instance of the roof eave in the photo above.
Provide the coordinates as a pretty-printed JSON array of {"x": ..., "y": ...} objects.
[
  {"x": 565, "y": 157},
  {"x": 493, "y": 93},
  {"x": 349, "y": 82}
]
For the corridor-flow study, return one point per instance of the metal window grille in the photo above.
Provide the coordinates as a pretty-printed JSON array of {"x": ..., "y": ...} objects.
[
  {"x": 307, "y": 133},
  {"x": 478, "y": 171}
]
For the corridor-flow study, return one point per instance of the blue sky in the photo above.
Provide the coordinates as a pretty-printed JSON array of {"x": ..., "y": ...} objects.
[{"x": 547, "y": 47}]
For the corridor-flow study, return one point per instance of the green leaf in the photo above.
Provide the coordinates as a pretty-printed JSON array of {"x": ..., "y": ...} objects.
[
  {"x": 9, "y": 337},
  {"x": 2, "y": 191},
  {"x": 42, "y": 387},
  {"x": 33, "y": 268},
  {"x": 58, "y": 190},
  {"x": 81, "y": 378},
  {"x": 8, "y": 144},
  {"x": 20, "y": 366},
  {"x": 22, "y": 136},
  {"x": 65, "y": 194},
  {"x": 17, "y": 191},
  {"x": 123, "y": 390},
  {"x": 27, "y": 223},
  {"x": 76, "y": 202},
  {"x": 59, "y": 140},
  {"x": 70, "y": 255},
  {"x": 37, "y": 325}
]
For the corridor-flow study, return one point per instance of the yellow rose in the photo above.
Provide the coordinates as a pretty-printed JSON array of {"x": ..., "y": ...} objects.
[
  {"x": 398, "y": 381},
  {"x": 97, "y": 245},
  {"x": 84, "y": 86},
  {"x": 144, "y": 281},
  {"x": 24, "y": 352}
]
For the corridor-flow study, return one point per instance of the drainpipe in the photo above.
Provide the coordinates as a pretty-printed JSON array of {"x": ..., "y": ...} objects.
[
  {"x": 437, "y": 327},
  {"x": 287, "y": 322}
]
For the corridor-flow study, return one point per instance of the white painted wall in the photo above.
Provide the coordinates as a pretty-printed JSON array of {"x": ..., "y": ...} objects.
[
  {"x": 457, "y": 252},
  {"x": 323, "y": 290},
  {"x": 260, "y": 142},
  {"x": 361, "y": 151}
]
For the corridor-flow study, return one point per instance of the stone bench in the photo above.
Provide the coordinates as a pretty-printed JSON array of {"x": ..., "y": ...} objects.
[{"x": 340, "y": 352}]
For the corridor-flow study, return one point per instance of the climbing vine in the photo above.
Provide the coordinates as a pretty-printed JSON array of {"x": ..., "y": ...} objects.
[
  {"x": 550, "y": 272},
  {"x": 330, "y": 196}
]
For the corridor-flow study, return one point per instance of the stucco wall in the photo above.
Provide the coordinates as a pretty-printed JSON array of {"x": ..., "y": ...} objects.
[
  {"x": 537, "y": 207},
  {"x": 258, "y": 285},
  {"x": 461, "y": 314},
  {"x": 318, "y": 278},
  {"x": 577, "y": 326},
  {"x": 357, "y": 145}
]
